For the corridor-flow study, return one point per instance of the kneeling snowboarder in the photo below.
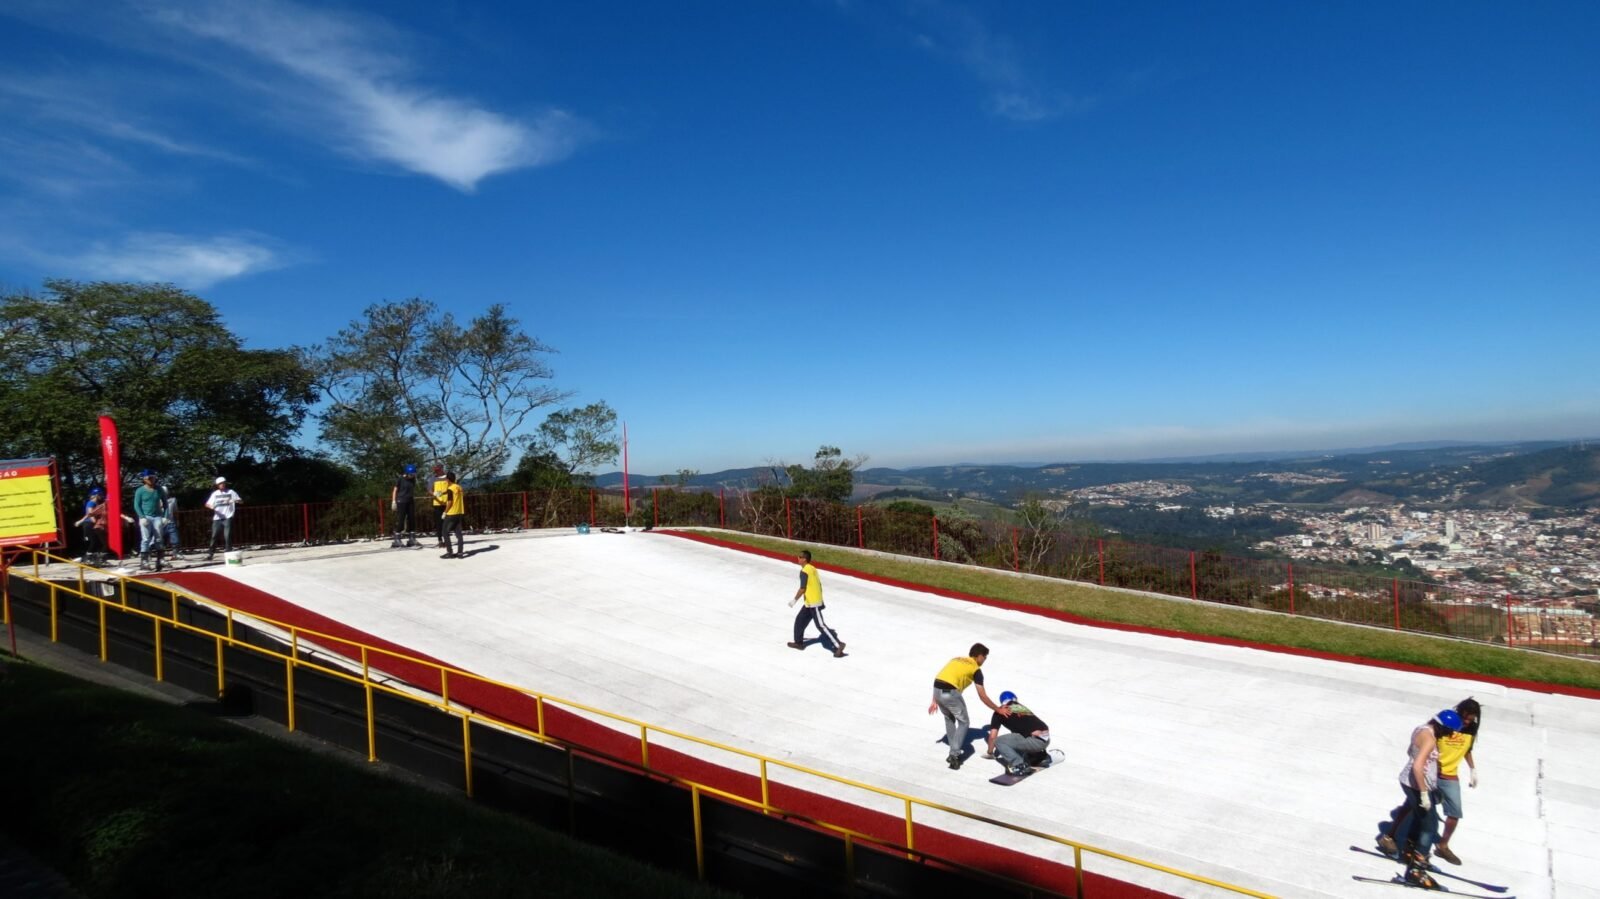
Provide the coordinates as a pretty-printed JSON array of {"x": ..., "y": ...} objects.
[{"x": 1028, "y": 744}]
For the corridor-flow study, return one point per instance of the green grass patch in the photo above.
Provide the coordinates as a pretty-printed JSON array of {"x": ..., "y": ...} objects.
[
  {"x": 1210, "y": 619},
  {"x": 129, "y": 797}
]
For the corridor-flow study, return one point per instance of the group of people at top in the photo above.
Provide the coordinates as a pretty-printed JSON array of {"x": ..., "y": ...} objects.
[
  {"x": 155, "y": 511},
  {"x": 449, "y": 506}
]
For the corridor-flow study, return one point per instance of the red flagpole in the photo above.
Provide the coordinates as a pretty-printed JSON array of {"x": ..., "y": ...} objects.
[
  {"x": 111, "y": 452},
  {"x": 625, "y": 505}
]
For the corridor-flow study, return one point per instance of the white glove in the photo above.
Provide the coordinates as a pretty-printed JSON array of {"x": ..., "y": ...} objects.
[
  {"x": 1425, "y": 802},
  {"x": 394, "y": 507},
  {"x": 1472, "y": 779}
]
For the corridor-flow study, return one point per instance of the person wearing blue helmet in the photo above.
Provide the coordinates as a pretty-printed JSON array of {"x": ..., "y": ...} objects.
[
  {"x": 1029, "y": 740},
  {"x": 403, "y": 503},
  {"x": 1416, "y": 828}
]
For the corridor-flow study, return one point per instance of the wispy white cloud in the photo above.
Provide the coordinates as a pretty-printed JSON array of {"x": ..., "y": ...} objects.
[
  {"x": 193, "y": 262},
  {"x": 88, "y": 106},
  {"x": 365, "y": 97},
  {"x": 952, "y": 32}
]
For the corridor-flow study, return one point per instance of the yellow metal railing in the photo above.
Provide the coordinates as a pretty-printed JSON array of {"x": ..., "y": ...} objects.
[{"x": 296, "y": 637}]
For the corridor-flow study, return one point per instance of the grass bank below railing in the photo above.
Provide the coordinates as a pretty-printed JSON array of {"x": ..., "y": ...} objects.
[
  {"x": 1203, "y": 618},
  {"x": 127, "y": 796}
]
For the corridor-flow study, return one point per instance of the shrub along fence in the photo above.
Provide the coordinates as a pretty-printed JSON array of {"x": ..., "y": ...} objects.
[{"x": 1464, "y": 611}]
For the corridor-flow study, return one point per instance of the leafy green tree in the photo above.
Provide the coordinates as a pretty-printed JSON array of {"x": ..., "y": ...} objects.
[
  {"x": 831, "y": 476},
  {"x": 188, "y": 398},
  {"x": 408, "y": 383}
]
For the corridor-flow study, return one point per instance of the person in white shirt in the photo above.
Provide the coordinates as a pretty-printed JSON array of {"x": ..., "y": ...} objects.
[{"x": 222, "y": 503}]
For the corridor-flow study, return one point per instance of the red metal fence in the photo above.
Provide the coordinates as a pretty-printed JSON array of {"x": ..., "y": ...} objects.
[{"x": 1329, "y": 593}]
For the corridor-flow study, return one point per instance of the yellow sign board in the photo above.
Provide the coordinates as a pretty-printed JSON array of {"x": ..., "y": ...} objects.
[{"x": 30, "y": 514}]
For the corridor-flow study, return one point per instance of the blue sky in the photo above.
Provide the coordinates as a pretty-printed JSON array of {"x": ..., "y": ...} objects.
[{"x": 923, "y": 231}]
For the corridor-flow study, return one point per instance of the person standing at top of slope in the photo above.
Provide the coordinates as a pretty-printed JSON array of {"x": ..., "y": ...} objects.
[
  {"x": 1417, "y": 826},
  {"x": 454, "y": 499},
  {"x": 811, "y": 590},
  {"x": 953, "y": 678},
  {"x": 150, "y": 504},
  {"x": 223, "y": 503},
  {"x": 403, "y": 503},
  {"x": 440, "y": 487}
]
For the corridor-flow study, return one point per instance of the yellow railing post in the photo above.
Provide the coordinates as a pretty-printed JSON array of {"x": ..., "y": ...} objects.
[
  {"x": 1077, "y": 868},
  {"x": 850, "y": 857},
  {"x": 699, "y": 833},
  {"x": 444, "y": 686},
  {"x": 288, "y": 682},
  {"x": 222, "y": 674},
  {"x": 159, "y": 669},
  {"x": 644, "y": 745},
  {"x": 55, "y": 616},
  {"x": 104, "y": 654},
  {"x": 766, "y": 795},
  {"x": 538, "y": 705},
  {"x": 910, "y": 837},
  {"x": 372, "y": 723},
  {"x": 466, "y": 749}
]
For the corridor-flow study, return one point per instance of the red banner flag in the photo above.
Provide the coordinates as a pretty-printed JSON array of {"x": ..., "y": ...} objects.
[{"x": 111, "y": 451}]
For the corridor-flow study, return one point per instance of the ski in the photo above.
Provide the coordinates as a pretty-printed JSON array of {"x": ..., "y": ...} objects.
[
  {"x": 1398, "y": 881},
  {"x": 1436, "y": 871}
]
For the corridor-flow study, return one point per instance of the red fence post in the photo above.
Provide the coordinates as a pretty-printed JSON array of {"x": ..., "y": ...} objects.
[
  {"x": 1396, "y": 603},
  {"x": 722, "y": 507},
  {"x": 380, "y": 516},
  {"x": 1291, "y": 588},
  {"x": 305, "y": 516},
  {"x": 788, "y": 519},
  {"x": 1194, "y": 580},
  {"x": 524, "y": 510},
  {"x": 1510, "y": 626},
  {"x": 655, "y": 508},
  {"x": 936, "y": 538},
  {"x": 1016, "y": 560},
  {"x": 591, "y": 506},
  {"x": 861, "y": 533},
  {"x": 1100, "y": 550}
]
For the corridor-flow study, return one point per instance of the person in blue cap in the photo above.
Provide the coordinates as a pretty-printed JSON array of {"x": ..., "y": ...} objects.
[
  {"x": 1417, "y": 827},
  {"x": 1029, "y": 740},
  {"x": 403, "y": 503},
  {"x": 93, "y": 523}
]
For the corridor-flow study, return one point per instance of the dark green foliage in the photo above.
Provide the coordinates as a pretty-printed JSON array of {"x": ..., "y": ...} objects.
[
  {"x": 187, "y": 397},
  {"x": 134, "y": 798}
]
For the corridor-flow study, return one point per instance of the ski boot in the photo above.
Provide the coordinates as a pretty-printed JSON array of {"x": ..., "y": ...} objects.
[{"x": 1419, "y": 877}]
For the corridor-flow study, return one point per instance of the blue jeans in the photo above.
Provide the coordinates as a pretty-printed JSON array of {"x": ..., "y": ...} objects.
[
  {"x": 1415, "y": 826},
  {"x": 221, "y": 527},
  {"x": 150, "y": 533}
]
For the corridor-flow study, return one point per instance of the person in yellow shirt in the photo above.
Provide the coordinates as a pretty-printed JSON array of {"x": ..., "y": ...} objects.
[
  {"x": 439, "y": 486},
  {"x": 453, "y": 500},
  {"x": 1453, "y": 750},
  {"x": 811, "y": 591},
  {"x": 953, "y": 678}
]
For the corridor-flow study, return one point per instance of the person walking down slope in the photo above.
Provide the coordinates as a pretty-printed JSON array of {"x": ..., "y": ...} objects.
[
  {"x": 953, "y": 678},
  {"x": 453, "y": 500},
  {"x": 1418, "y": 824},
  {"x": 1453, "y": 750},
  {"x": 811, "y": 590},
  {"x": 223, "y": 503},
  {"x": 1029, "y": 738}
]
